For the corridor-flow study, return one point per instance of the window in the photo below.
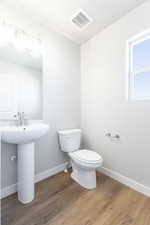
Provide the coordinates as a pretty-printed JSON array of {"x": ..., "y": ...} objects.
[{"x": 139, "y": 68}]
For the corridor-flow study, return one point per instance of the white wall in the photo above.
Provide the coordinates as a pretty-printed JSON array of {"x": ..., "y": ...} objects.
[
  {"x": 61, "y": 95},
  {"x": 29, "y": 88},
  {"x": 104, "y": 104}
]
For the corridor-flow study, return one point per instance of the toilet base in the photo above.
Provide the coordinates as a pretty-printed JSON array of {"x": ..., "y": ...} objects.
[{"x": 84, "y": 176}]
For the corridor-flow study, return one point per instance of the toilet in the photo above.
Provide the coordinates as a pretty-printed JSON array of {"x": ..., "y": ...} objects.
[{"x": 84, "y": 162}]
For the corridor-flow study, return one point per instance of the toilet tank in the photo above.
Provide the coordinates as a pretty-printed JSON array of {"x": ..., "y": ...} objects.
[{"x": 69, "y": 140}]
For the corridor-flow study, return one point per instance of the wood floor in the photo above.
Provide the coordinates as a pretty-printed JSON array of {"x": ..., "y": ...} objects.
[{"x": 60, "y": 201}]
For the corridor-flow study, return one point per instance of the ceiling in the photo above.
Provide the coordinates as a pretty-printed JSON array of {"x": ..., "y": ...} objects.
[{"x": 57, "y": 14}]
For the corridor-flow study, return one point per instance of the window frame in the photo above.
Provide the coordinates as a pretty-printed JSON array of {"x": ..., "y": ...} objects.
[{"x": 131, "y": 74}]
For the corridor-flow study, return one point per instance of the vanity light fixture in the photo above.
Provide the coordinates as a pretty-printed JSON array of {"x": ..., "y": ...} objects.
[{"x": 11, "y": 35}]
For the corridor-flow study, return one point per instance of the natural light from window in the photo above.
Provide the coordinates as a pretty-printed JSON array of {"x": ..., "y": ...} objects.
[{"x": 139, "y": 68}]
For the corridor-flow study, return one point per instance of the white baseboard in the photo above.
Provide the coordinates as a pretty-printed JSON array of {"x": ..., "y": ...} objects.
[
  {"x": 38, "y": 177},
  {"x": 50, "y": 172},
  {"x": 8, "y": 191},
  {"x": 126, "y": 181}
]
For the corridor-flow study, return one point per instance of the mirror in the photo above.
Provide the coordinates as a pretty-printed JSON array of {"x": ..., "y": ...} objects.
[{"x": 20, "y": 74}]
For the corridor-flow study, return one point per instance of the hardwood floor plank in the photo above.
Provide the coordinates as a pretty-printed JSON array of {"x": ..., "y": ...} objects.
[{"x": 61, "y": 201}]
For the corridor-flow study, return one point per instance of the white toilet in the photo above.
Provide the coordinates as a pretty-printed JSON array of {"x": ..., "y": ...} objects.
[{"x": 84, "y": 162}]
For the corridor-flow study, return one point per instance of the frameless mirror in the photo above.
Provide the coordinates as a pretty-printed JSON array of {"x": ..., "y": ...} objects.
[{"x": 20, "y": 74}]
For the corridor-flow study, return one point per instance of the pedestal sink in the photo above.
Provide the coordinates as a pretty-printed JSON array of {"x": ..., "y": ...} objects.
[{"x": 24, "y": 137}]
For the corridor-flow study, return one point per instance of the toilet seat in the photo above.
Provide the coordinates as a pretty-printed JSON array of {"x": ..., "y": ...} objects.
[
  {"x": 84, "y": 164},
  {"x": 86, "y": 156}
]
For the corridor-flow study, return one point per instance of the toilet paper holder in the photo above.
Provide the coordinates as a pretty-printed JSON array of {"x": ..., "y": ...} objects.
[{"x": 116, "y": 136}]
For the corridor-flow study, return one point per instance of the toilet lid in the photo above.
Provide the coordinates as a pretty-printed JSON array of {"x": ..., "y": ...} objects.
[{"x": 86, "y": 155}]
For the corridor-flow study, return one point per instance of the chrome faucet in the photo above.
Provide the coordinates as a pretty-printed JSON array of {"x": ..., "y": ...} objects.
[{"x": 20, "y": 118}]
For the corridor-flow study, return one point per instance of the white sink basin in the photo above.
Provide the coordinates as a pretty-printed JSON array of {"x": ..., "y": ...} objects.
[
  {"x": 25, "y": 134},
  {"x": 24, "y": 137}
]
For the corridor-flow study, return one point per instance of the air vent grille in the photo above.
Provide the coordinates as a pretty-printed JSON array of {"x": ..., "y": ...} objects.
[{"x": 81, "y": 19}]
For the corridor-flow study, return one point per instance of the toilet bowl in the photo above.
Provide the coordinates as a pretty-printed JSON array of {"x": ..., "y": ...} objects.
[{"x": 84, "y": 162}]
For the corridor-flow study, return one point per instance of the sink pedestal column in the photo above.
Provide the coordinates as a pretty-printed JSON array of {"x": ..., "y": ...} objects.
[{"x": 26, "y": 172}]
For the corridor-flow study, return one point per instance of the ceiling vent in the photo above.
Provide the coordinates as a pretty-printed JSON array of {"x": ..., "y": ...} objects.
[{"x": 81, "y": 19}]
